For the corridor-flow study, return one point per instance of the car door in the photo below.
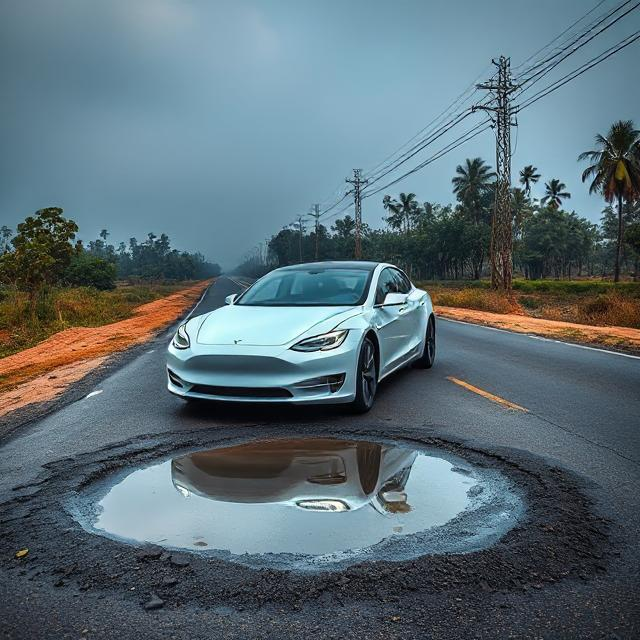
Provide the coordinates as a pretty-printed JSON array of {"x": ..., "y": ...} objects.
[
  {"x": 414, "y": 313},
  {"x": 392, "y": 322}
]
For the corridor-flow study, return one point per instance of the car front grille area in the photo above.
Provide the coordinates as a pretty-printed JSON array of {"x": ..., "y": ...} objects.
[{"x": 241, "y": 392}]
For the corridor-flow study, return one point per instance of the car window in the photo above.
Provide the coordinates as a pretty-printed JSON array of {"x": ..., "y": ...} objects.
[
  {"x": 313, "y": 286},
  {"x": 404, "y": 285},
  {"x": 387, "y": 283}
]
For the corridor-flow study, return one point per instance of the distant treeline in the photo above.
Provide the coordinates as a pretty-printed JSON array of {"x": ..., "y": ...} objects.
[
  {"x": 44, "y": 253},
  {"x": 433, "y": 241}
]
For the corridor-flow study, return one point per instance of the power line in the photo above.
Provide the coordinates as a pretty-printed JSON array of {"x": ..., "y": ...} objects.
[
  {"x": 441, "y": 131},
  {"x": 573, "y": 24},
  {"x": 465, "y": 137},
  {"x": 471, "y": 90},
  {"x": 625, "y": 42},
  {"x": 546, "y": 70}
]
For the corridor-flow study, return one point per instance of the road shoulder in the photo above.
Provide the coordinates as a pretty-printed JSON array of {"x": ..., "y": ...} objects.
[
  {"x": 59, "y": 369},
  {"x": 617, "y": 338}
]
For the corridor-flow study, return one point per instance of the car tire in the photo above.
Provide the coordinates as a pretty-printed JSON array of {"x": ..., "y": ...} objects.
[
  {"x": 428, "y": 357},
  {"x": 366, "y": 378}
]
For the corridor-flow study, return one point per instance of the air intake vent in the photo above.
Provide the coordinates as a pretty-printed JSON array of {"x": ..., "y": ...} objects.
[{"x": 241, "y": 392}]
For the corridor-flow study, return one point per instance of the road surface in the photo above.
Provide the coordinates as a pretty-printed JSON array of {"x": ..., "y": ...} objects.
[{"x": 563, "y": 406}]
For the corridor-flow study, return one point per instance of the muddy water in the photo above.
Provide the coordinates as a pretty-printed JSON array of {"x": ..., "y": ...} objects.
[{"x": 316, "y": 497}]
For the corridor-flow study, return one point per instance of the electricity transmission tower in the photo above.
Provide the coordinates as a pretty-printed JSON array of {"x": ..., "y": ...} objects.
[
  {"x": 358, "y": 182},
  {"x": 316, "y": 214},
  {"x": 501, "y": 253}
]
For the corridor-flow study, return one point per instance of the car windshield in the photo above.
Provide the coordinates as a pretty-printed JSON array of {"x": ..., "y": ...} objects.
[{"x": 312, "y": 287}]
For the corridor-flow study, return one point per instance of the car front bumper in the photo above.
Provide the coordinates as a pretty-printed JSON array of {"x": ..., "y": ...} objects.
[{"x": 264, "y": 374}]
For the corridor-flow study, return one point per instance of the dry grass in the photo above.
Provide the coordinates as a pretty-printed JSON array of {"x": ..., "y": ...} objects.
[
  {"x": 45, "y": 370},
  {"x": 63, "y": 308},
  {"x": 591, "y": 303},
  {"x": 481, "y": 299}
]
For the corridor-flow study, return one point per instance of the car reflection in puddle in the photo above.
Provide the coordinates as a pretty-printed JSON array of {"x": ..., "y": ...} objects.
[{"x": 320, "y": 498}]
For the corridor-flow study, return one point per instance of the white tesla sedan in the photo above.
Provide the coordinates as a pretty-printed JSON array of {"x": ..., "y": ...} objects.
[{"x": 323, "y": 332}]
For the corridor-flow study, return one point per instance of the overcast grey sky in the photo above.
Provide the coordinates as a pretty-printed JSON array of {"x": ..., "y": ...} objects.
[{"x": 218, "y": 122}]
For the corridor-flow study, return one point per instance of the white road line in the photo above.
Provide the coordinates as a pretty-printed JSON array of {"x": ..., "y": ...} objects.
[
  {"x": 531, "y": 335},
  {"x": 236, "y": 282},
  {"x": 93, "y": 393},
  {"x": 204, "y": 293}
]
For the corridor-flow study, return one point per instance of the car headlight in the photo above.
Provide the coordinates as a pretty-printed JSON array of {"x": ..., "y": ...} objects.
[
  {"x": 324, "y": 342},
  {"x": 181, "y": 339}
]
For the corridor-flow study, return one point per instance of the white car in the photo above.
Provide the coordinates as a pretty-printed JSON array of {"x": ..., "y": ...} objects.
[
  {"x": 322, "y": 332},
  {"x": 313, "y": 474}
]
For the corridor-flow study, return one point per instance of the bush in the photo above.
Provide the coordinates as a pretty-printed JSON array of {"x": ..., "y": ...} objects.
[
  {"x": 480, "y": 299},
  {"x": 611, "y": 309},
  {"x": 87, "y": 270}
]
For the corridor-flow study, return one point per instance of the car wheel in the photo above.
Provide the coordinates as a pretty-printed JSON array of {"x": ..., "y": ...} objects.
[
  {"x": 366, "y": 378},
  {"x": 428, "y": 357}
]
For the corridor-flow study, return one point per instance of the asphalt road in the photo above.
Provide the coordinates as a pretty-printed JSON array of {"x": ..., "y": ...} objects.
[{"x": 580, "y": 412}]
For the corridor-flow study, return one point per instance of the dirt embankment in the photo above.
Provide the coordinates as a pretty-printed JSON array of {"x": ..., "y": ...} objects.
[
  {"x": 43, "y": 372},
  {"x": 623, "y": 338}
]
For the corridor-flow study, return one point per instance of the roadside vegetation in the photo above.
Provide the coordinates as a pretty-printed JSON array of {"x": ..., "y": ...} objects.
[
  {"x": 49, "y": 281},
  {"x": 582, "y": 301},
  {"x": 64, "y": 307},
  {"x": 566, "y": 267}
]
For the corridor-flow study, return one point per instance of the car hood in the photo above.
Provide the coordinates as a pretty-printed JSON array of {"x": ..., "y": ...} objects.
[{"x": 268, "y": 326}]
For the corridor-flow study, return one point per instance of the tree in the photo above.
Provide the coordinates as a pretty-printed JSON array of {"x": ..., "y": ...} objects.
[
  {"x": 555, "y": 193},
  {"x": 42, "y": 251},
  {"x": 472, "y": 180},
  {"x": 471, "y": 185},
  {"x": 403, "y": 212},
  {"x": 5, "y": 239},
  {"x": 615, "y": 172},
  {"x": 87, "y": 270},
  {"x": 528, "y": 176}
]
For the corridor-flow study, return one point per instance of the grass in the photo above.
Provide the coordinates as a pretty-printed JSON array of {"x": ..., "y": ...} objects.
[
  {"x": 588, "y": 302},
  {"x": 61, "y": 308}
]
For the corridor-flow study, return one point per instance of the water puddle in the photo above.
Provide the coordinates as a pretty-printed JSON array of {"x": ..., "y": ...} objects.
[{"x": 308, "y": 503}]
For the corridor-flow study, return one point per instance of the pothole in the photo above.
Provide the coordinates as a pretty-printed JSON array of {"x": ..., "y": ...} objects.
[{"x": 313, "y": 503}]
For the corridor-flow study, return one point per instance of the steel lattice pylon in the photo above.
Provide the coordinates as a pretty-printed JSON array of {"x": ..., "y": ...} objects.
[{"x": 501, "y": 253}]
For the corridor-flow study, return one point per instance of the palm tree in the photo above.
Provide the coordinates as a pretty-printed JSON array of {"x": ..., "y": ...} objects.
[
  {"x": 472, "y": 181},
  {"x": 521, "y": 208},
  {"x": 403, "y": 213},
  {"x": 528, "y": 176},
  {"x": 471, "y": 185},
  {"x": 555, "y": 193},
  {"x": 394, "y": 219},
  {"x": 615, "y": 171}
]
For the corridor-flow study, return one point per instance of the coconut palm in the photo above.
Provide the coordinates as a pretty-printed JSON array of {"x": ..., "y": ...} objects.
[
  {"x": 528, "y": 176},
  {"x": 554, "y": 193},
  {"x": 402, "y": 212},
  {"x": 615, "y": 172},
  {"x": 471, "y": 181},
  {"x": 472, "y": 186}
]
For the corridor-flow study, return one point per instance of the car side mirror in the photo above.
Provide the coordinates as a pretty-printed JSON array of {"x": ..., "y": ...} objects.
[
  {"x": 394, "y": 299},
  {"x": 231, "y": 299}
]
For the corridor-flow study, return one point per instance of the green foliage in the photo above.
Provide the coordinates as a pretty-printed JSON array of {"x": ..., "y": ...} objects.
[
  {"x": 153, "y": 259},
  {"x": 63, "y": 307},
  {"x": 42, "y": 250},
  {"x": 87, "y": 270}
]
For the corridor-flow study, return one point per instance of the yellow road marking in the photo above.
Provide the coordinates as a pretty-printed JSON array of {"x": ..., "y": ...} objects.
[{"x": 487, "y": 395}]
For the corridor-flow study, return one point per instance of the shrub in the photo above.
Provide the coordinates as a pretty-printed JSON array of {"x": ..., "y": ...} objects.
[
  {"x": 480, "y": 299},
  {"x": 87, "y": 270}
]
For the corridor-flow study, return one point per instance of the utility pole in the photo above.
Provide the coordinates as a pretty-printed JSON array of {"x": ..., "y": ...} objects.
[
  {"x": 358, "y": 182},
  {"x": 316, "y": 215},
  {"x": 501, "y": 252},
  {"x": 300, "y": 237}
]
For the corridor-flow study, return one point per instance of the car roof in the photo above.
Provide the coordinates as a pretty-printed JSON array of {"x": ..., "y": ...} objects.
[{"x": 333, "y": 264}]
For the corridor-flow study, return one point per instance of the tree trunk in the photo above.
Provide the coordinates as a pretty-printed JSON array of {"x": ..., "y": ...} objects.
[{"x": 616, "y": 272}]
